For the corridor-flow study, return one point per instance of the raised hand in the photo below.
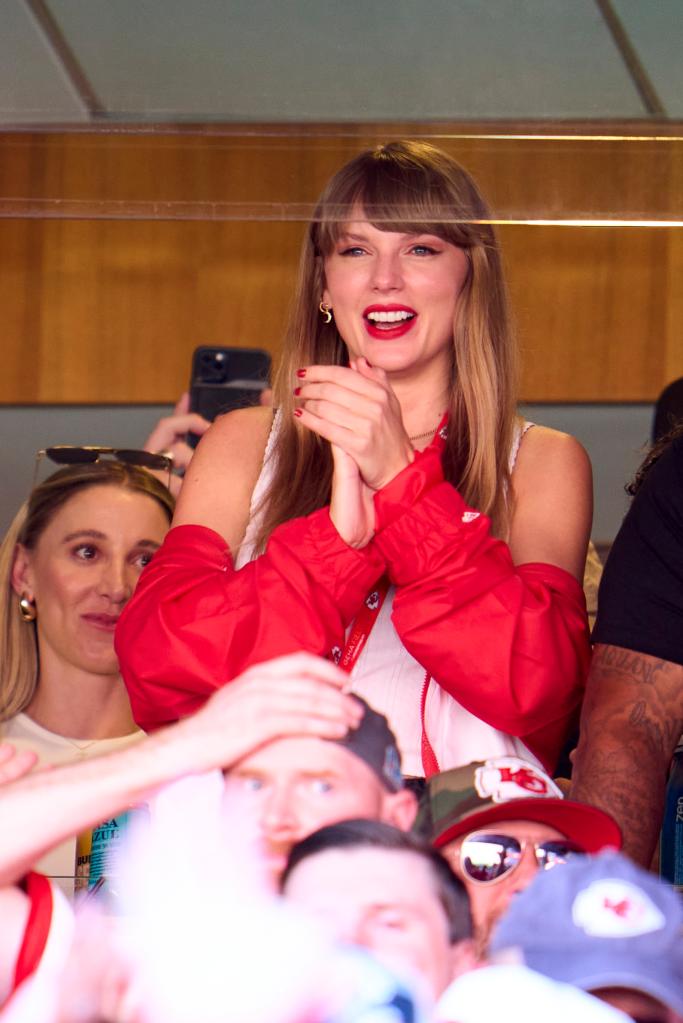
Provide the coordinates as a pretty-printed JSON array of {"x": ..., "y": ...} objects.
[
  {"x": 168, "y": 436},
  {"x": 351, "y": 506},
  {"x": 355, "y": 408},
  {"x": 298, "y": 694}
]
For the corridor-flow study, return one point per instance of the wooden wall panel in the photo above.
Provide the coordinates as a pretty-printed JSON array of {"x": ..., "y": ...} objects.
[{"x": 106, "y": 304}]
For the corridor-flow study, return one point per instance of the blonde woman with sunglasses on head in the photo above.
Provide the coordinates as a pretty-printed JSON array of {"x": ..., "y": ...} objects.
[
  {"x": 68, "y": 565},
  {"x": 396, "y": 513}
]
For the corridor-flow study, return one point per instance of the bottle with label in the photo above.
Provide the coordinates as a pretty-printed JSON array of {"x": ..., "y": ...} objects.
[
  {"x": 671, "y": 847},
  {"x": 83, "y": 851},
  {"x": 96, "y": 854}
]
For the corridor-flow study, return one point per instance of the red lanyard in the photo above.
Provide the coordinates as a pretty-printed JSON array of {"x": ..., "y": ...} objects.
[{"x": 362, "y": 627}]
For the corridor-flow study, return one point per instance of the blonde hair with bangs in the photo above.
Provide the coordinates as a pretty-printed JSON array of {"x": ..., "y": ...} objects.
[{"x": 407, "y": 187}]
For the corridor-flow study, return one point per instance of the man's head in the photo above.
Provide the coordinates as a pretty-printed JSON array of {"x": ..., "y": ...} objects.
[
  {"x": 498, "y": 822},
  {"x": 388, "y": 891},
  {"x": 297, "y": 785},
  {"x": 606, "y": 926}
]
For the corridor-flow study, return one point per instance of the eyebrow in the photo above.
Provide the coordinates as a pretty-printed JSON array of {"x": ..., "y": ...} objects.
[
  {"x": 351, "y": 236},
  {"x": 255, "y": 772},
  {"x": 95, "y": 534}
]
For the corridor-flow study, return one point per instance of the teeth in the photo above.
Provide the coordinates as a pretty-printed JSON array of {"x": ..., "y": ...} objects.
[{"x": 393, "y": 317}]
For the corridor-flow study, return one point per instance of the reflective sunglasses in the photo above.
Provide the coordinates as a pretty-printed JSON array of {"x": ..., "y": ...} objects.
[
  {"x": 65, "y": 454},
  {"x": 487, "y": 857}
]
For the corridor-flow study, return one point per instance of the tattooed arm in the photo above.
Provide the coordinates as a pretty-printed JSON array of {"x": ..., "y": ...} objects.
[{"x": 631, "y": 720}]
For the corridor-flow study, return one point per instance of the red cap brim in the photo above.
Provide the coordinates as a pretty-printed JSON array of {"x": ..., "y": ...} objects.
[{"x": 587, "y": 826}]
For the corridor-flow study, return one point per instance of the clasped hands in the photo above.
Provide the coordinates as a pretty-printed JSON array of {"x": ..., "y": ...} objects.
[{"x": 356, "y": 410}]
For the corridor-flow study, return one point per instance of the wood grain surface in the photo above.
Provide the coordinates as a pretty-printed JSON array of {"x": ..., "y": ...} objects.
[{"x": 120, "y": 251}]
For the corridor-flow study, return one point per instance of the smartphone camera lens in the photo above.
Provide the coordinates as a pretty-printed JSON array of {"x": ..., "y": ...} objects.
[{"x": 214, "y": 367}]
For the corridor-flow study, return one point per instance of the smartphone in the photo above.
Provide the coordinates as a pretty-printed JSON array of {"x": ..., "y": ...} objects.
[{"x": 223, "y": 379}]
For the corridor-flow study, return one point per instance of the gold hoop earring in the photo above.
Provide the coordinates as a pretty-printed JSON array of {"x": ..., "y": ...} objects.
[
  {"x": 27, "y": 610},
  {"x": 326, "y": 311}
]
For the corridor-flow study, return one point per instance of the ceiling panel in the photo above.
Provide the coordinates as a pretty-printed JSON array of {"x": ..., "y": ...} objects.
[
  {"x": 349, "y": 60},
  {"x": 33, "y": 86},
  {"x": 656, "y": 31}
]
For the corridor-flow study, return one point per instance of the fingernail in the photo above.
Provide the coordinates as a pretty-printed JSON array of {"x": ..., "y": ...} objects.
[
  {"x": 298, "y": 412},
  {"x": 301, "y": 372},
  {"x": 297, "y": 391}
]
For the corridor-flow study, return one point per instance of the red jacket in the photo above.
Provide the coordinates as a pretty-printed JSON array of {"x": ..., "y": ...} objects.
[{"x": 508, "y": 642}]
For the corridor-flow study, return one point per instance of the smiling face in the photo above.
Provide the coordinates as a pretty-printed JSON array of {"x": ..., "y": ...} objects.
[
  {"x": 394, "y": 296},
  {"x": 295, "y": 786},
  {"x": 82, "y": 571}
]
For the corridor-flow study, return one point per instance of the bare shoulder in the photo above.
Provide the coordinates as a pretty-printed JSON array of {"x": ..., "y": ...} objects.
[
  {"x": 221, "y": 477},
  {"x": 552, "y": 487},
  {"x": 545, "y": 451}
]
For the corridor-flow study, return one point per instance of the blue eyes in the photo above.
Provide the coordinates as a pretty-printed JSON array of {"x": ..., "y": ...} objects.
[
  {"x": 252, "y": 784},
  {"x": 415, "y": 250},
  {"x": 320, "y": 787},
  {"x": 316, "y": 786}
]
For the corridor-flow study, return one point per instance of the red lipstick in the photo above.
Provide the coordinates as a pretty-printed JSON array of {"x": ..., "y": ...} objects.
[{"x": 387, "y": 322}]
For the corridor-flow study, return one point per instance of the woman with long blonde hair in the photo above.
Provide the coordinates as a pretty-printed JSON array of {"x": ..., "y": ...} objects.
[
  {"x": 68, "y": 564},
  {"x": 395, "y": 513}
]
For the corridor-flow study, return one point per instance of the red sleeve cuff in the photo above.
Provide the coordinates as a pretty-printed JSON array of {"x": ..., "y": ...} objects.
[{"x": 407, "y": 488}]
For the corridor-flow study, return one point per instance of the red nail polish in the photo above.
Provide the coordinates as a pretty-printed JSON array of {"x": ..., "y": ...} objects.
[
  {"x": 301, "y": 372},
  {"x": 297, "y": 391},
  {"x": 298, "y": 412}
]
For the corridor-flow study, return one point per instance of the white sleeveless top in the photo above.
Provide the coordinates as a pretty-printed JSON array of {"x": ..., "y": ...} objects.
[{"x": 391, "y": 680}]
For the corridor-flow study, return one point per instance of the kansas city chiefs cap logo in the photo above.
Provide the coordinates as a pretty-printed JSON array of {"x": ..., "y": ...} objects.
[
  {"x": 511, "y": 778},
  {"x": 612, "y": 908}
]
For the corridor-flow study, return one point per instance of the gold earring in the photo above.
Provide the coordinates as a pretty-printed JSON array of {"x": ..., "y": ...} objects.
[
  {"x": 27, "y": 610},
  {"x": 326, "y": 311}
]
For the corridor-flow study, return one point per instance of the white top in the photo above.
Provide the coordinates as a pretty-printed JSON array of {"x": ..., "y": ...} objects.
[
  {"x": 26, "y": 734},
  {"x": 519, "y": 995},
  {"x": 391, "y": 680}
]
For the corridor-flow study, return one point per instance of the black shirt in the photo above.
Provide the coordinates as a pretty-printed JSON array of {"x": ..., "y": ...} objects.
[{"x": 640, "y": 602}]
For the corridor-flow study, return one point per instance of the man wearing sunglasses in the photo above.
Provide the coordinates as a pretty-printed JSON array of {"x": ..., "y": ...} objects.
[{"x": 498, "y": 823}]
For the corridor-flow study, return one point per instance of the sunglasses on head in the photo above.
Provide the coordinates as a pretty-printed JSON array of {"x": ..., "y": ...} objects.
[
  {"x": 486, "y": 857},
  {"x": 66, "y": 454}
]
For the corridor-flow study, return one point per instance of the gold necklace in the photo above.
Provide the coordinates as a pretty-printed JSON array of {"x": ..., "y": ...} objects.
[{"x": 427, "y": 433}]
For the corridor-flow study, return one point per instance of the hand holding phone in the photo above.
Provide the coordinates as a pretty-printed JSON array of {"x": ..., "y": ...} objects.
[{"x": 224, "y": 379}]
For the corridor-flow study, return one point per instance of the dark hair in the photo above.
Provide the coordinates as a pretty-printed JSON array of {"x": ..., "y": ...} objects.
[
  {"x": 367, "y": 834},
  {"x": 652, "y": 457},
  {"x": 668, "y": 410}
]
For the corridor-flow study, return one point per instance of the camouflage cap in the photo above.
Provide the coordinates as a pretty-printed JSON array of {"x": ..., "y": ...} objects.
[
  {"x": 467, "y": 798},
  {"x": 375, "y": 743}
]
